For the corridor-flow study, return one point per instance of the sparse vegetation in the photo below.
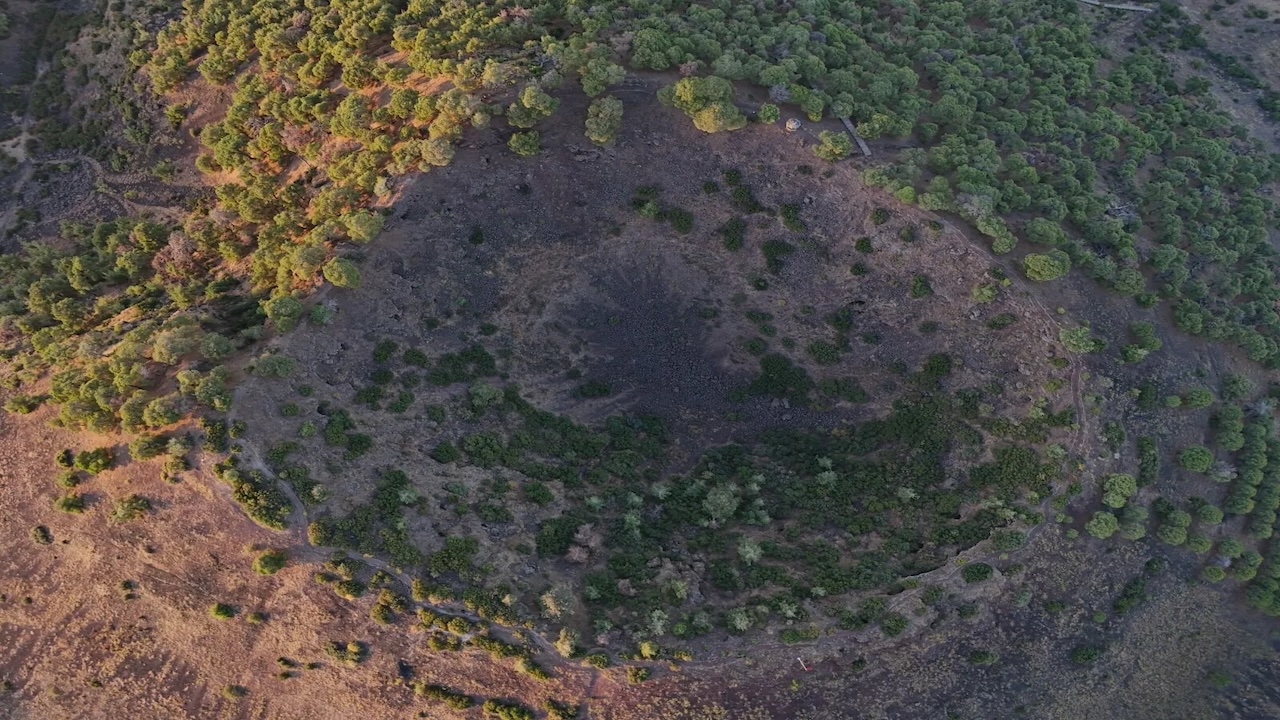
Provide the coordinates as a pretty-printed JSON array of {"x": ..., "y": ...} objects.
[{"x": 846, "y": 457}]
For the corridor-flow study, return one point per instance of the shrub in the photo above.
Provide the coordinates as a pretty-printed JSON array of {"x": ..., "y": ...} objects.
[
  {"x": 350, "y": 653},
  {"x": 984, "y": 292},
  {"x": 983, "y": 657},
  {"x": 129, "y": 508},
  {"x": 164, "y": 410},
  {"x": 976, "y": 572},
  {"x": 446, "y": 452},
  {"x": 768, "y": 114},
  {"x": 222, "y": 611},
  {"x": 273, "y": 366},
  {"x": 95, "y": 461},
  {"x": 452, "y": 698},
  {"x": 508, "y": 710},
  {"x": 1002, "y": 321},
  {"x": 681, "y": 219},
  {"x": 72, "y": 502},
  {"x": 637, "y": 675},
  {"x": 779, "y": 377},
  {"x": 1006, "y": 540},
  {"x": 1235, "y": 387},
  {"x": 1086, "y": 654},
  {"x": 920, "y": 287},
  {"x": 145, "y": 447},
  {"x": 1198, "y": 397},
  {"x": 215, "y": 347},
  {"x": 270, "y": 562},
  {"x": 893, "y": 624},
  {"x": 1079, "y": 340},
  {"x": 823, "y": 353},
  {"x": 23, "y": 404}
]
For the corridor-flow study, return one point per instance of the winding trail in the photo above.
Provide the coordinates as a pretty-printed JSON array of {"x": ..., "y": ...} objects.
[
  {"x": 828, "y": 646},
  {"x": 297, "y": 523},
  {"x": 1118, "y": 6}
]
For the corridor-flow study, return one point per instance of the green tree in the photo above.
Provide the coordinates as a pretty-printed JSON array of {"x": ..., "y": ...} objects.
[
  {"x": 833, "y": 146},
  {"x": 1196, "y": 458},
  {"x": 1078, "y": 339},
  {"x": 525, "y": 144},
  {"x": 1103, "y": 525},
  {"x": 164, "y": 410},
  {"x": 976, "y": 572},
  {"x": 363, "y": 225},
  {"x": 1117, "y": 489},
  {"x": 1235, "y": 387},
  {"x": 1006, "y": 540},
  {"x": 171, "y": 345},
  {"x": 604, "y": 119},
  {"x": 342, "y": 273},
  {"x": 768, "y": 114},
  {"x": 598, "y": 74},
  {"x": 1209, "y": 514},
  {"x": 352, "y": 118},
  {"x": 1050, "y": 266},
  {"x": 284, "y": 312},
  {"x": 215, "y": 347},
  {"x": 1172, "y": 534},
  {"x": 708, "y": 100},
  {"x": 1213, "y": 573},
  {"x": 1198, "y": 397},
  {"x": 1045, "y": 232},
  {"x": 532, "y": 106}
]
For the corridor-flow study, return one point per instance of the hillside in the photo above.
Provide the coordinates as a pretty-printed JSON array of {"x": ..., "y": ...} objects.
[{"x": 471, "y": 360}]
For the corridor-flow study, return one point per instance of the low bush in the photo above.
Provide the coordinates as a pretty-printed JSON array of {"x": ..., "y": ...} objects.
[
  {"x": 976, "y": 572},
  {"x": 270, "y": 562},
  {"x": 222, "y": 611},
  {"x": 129, "y": 507}
]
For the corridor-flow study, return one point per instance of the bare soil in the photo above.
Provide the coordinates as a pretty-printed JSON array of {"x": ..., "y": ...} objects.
[{"x": 572, "y": 285}]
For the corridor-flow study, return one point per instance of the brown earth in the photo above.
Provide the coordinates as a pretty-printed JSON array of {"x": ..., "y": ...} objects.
[
  {"x": 625, "y": 308},
  {"x": 568, "y": 277}
]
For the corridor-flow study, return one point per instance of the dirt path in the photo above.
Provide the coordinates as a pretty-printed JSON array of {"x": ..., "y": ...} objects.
[
  {"x": 1118, "y": 6},
  {"x": 18, "y": 149}
]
